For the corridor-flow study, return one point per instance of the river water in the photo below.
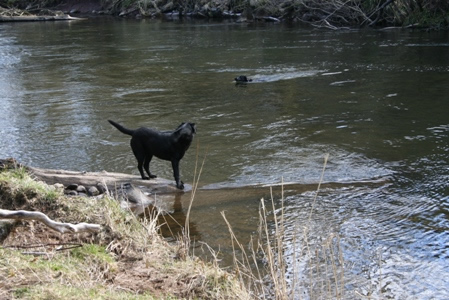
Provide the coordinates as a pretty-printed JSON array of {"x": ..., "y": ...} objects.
[{"x": 375, "y": 101}]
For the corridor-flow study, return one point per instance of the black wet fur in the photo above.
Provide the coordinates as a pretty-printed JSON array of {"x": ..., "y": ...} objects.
[
  {"x": 166, "y": 145},
  {"x": 242, "y": 78}
]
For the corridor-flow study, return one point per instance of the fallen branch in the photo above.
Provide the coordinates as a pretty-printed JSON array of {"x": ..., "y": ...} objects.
[
  {"x": 57, "y": 226},
  {"x": 111, "y": 180},
  {"x": 37, "y": 18}
]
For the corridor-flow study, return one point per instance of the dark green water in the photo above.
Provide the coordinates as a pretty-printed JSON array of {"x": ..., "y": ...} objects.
[{"x": 376, "y": 101}]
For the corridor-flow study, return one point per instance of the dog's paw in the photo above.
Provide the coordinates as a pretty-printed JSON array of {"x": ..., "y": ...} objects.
[
  {"x": 145, "y": 178},
  {"x": 153, "y": 176},
  {"x": 180, "y": 185}
]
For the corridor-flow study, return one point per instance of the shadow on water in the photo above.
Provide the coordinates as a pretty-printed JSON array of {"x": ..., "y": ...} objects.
[{"x": 172, "y": 217}]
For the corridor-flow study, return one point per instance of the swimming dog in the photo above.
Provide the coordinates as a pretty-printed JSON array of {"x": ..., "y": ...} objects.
[
  {"x": 242, "y": 79},
  {"x": 166, "y": 145}
]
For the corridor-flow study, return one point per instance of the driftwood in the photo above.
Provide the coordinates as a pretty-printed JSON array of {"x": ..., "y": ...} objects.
[
  {"x": 57, "y": 226},
  {"x": 37, "y": 18},
  {"x": 113, "y": 181}
]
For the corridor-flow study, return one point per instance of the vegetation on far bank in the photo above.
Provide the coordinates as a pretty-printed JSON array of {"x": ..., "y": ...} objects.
[{"x": 332, "y": 14}]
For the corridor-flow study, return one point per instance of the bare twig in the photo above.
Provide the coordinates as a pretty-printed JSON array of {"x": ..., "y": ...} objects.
[{"x": 57, "y": 226}]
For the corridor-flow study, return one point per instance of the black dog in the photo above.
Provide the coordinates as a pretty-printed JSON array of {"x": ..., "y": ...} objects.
[
  {"x": 242, "y": 78},
  {"x": 167, "y": 145}
]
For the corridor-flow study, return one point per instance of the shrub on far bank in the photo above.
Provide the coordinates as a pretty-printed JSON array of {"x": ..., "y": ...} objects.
[{"x": 332, "y": 14}]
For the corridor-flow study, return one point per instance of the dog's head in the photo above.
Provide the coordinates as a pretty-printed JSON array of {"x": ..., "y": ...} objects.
[
  {"x": 242, "y": 78},
  {"x": 186, "y": 130}
]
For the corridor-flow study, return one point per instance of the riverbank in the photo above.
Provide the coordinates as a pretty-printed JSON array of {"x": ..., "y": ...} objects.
[
  {"x": 322, "y": 14},
  {"x": 126, "y": 259}
]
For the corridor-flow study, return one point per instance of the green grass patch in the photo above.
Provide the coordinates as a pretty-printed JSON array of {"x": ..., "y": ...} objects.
[{"x": 92, "y": 251}]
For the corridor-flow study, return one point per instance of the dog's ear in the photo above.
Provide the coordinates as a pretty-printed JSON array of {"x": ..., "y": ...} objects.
[
  {"x": 193, "y": 126},
  {"x": 181, "y": 126},
  {"x": 185, "y": 129}
]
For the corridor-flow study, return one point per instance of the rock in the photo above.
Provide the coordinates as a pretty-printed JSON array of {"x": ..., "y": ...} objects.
[
  {"x": 72, "y": 186},
  {"x": 71, "y": 192},
  {"x": 81, "y": 189},
  {"x": 93, "y": 191},
  {"x": 129, "y": 194},
  {"x": 102, "y": 188},
  {"x": 59, "y": 186}
]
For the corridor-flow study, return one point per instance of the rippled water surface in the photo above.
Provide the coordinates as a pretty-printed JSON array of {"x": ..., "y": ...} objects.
[{"x": 375, "y": 101}]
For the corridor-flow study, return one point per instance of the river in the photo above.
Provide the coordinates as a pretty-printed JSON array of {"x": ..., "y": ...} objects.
[{"x": 375, "y": 101}]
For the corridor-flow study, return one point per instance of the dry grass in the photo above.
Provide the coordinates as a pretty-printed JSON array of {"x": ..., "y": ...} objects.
[
  {"x": 128, "y": 259},
  {"x": 263, "y": 268}
]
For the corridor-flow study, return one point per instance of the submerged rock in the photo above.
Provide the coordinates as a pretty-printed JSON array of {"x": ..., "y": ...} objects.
[{"x": 131, "y": 195}]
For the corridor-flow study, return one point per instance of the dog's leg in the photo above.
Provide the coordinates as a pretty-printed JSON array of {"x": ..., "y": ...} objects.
[
  {"x": 140, "y": 167},
  {"x": 146, "y": 166},
  {"x": 175, "y": 165},
  {"x": 140, "y": 156}
]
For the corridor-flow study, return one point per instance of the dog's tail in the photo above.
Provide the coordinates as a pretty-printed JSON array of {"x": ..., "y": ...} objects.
[{"x": 121, "y": 128}]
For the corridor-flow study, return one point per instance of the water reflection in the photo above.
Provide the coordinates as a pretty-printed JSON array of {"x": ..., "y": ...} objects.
[
  {"x": 172, "y": 218},
  {"x": 375, "y": 100}
]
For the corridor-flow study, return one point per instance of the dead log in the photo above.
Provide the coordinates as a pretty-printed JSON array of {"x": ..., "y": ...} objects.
[
  {"x": 41, "y": 217},
  {"x": 37, "y": 18},
  {"x": 113, "y": 181}
]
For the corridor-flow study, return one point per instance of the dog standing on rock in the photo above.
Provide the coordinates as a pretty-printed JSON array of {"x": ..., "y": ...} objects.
[{"x": 166, "y": 145}]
